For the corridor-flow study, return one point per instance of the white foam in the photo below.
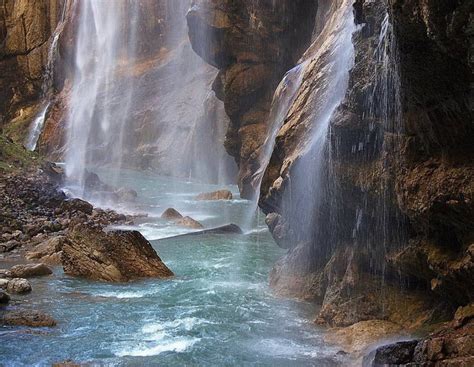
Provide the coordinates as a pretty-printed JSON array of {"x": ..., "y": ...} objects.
[
  {"x": 177, "y": 345},
  {"x": 186, "y": 323},
  {"x": 124, "y": 295}
]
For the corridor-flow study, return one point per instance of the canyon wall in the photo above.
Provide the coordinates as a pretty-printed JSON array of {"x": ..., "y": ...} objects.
[
  {"x": 26, "y": 28},
  {"x": 392, "y": 225}
]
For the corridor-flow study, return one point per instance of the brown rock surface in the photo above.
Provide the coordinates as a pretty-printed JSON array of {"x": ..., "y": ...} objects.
[
  {"x": 30, "y": 270},
  {"x": 189, "y": 222},
  {"x": 27, "y": 318},
  {"x": 113, "y": 256},
  {"x": 216, "y": 195},
  {"x": 171, "y": 214}
]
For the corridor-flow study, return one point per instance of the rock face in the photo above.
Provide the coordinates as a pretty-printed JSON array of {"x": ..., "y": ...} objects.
[
  {"x": 391, "y": 204},
  {"x": 112, "y": 256},
  {"x": 25, "y": 36},
  {"x": 4, "y": 298},
  {"x": 253, "y": 45}
]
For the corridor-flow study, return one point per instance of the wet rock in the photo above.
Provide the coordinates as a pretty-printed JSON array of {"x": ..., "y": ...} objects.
[
  {"x": 189, "y": 222},
  {"x": 226, "y": 229},
  {"x": 30, "y": 270},
  {"x": 76, "y": 205},
  {"x": 113, "y": 256},
  {"x": 4, "y": 298},
  {"x": 9, "y": 246},
  {"x": 216, "y": 195},
  {"x": 68, "y": 363},
  {"x": 19, "y": 286},
  {"x": 3, "y": 283},
  {"x": 48, "y": 252},
  {"x": 394, "y": 354},
  {"x": 4, "y": 273},
  {"x": 171, "y": 214},
  {"x": 126, "y": 194},
  {"x": 27, "y": 318}
]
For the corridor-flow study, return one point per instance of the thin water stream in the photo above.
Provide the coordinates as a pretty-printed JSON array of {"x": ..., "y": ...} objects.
[{"x": 217, "y": 310}]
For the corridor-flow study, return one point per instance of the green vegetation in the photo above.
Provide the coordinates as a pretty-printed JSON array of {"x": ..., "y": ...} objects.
[{"x": 14, "y": 156}]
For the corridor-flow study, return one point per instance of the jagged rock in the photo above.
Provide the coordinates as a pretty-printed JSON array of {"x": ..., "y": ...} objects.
[
  {"x": 216, "y": 195},
  {"x": 4, "y": 298},
  {"x": 189, "y": 222},
  {"x": 30, "y": 270},
  {"x": 48, "y": 252},
  {"x": 171, "y": 214},
  {"x": 19, "y": 285},
  {"x": 113, "y": 256},
  {"x": 29, "y": 318},
  {"x": 76, "y": 205}
]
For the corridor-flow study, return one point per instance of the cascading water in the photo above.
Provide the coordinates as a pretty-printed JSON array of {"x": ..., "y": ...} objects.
[
  {"x": 47, "y": 92},
  {"x": 132, "y": 100},
  {"x": 100, "y": 102}
]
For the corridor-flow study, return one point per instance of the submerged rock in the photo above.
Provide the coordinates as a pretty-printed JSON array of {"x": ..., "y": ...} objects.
[
  {"x": 30, "y": 270},
  {"x": 171, "y": 214},
  {"x": 19, "y": 286},
  {"x": 226, "y": 229},
  {"x": 113, "y": 256},
  {"x": 27, "y": 318},
  {"x": 216, "y": 195}
]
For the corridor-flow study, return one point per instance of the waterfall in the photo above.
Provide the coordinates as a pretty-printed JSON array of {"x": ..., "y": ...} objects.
[
  {"x": 99, "y": 103},
  {"x": 140, "y": 97},
  {"x": 46, "y": 89}
]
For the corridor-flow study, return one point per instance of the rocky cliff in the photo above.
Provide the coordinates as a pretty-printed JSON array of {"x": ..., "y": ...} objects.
[
  {"x": 386, "y": 220},
  {"x": 26, "y": 28}
]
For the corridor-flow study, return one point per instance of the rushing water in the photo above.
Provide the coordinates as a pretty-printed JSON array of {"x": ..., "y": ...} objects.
[{"x": 217, "y": 310}]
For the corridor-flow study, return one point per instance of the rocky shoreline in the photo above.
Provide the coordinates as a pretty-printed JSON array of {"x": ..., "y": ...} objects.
[{"x": 42, "y": 228}]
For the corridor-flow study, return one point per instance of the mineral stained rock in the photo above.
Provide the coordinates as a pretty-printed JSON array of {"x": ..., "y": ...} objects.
[{"x": 110, "y": 255}]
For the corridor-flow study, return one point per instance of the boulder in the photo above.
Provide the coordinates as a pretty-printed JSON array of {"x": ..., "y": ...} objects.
[
  {"x": 4, "y": 298},
  {"x": 171, "y": 214},
  {"x": 113, "y": 256},
  {"x": 189, "y": 222},
  {"x": 30, "y": 270},
  {"x": 27, "y": 318},
  {"x": 3, "y": 283},
  {"x": 216, "y": 195},
  {"x": 398, "y": 353},
  {"x": 18, "y": 286},
  {"x": 76, "y": 205}
]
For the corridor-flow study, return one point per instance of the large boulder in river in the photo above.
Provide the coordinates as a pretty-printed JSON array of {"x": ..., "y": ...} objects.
[
  {"x": 171, "y": 214},
  {"x": 189, "y": 222},
  {"x": 110, "y": 255},
  {"x": 29, "y": 270},
  {"x": 48, "y": 252},
  {"x": 216, "y": 195}
]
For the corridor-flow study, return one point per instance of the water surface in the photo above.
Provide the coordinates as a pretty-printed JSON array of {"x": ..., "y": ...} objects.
[{"x": 217, "y": 310}]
